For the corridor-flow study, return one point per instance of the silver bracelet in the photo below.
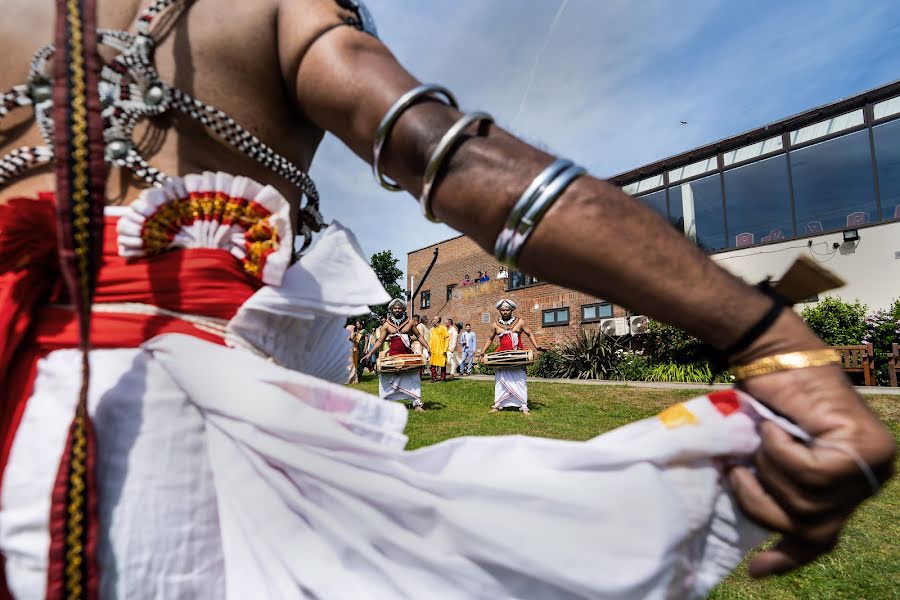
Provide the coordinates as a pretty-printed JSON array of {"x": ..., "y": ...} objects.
[
  {"x": 538, "y": 208},
  {"x": 390, "y": 119},
  {"x": 440, "y": 154},
  {"x": 501, "y": 247}
]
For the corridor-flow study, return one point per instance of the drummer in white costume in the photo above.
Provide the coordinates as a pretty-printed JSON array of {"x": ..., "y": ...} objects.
[
  {"x": 398, "y": 329},
  {"x": 510, "y": 385},
  {"x": 229, "y": 466}
]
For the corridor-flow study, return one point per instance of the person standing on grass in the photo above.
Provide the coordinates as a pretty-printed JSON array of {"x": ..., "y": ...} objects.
[
  {"x": 403, "y": 386},
  {"x": 452, "y": 340},
  {"x": 469, "y": 344},
  {"x": 510, "y": 387},
  {"x": 438, "y": 343},
  {"x": 459, "y": 332}
]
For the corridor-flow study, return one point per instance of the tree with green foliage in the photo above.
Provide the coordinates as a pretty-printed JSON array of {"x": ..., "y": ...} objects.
[
  {"x": 836, "y": 321},
  {"x": 385, "y": 266},
  {"x": 882, "y": 330}
]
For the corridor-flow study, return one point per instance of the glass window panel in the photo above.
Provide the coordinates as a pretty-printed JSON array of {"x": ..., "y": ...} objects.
[
  {"x": 588, "y": 313},
  {"x": 643, "y": 185},
  {"x": 656, "y": 201},
  {"x": 549, "y": 317},
  {"x": 697, "y": 168},
  {"x": 650, "y": 183},
  {"x": 887, "y": 108},
  {"x": 827, "y": 127},
  {"x": 696, "y": 208},
  {"x": 833, "y": 184},
  {"x": 562, "y": 315},
  {"x": 887, "y": 153},
  {"x": 758, "y": 202},
  {"x": 753, "y": 150},
  {"x": 606, "y": 311}
]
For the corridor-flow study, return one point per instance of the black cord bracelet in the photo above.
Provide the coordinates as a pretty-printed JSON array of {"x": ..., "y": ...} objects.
[{"x": 718, "y": 360}]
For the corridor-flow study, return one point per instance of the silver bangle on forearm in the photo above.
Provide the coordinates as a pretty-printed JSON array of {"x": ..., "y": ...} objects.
[
  {"x": 390, "y": 119},
  {"x": 522, "y": 204},
  {"x": 448, "y": 141},
  {"x": 538, "y": 208}
]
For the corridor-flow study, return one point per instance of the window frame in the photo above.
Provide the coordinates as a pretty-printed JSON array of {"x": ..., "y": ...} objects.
[
  {"x": 425, "y": 299},
  {"x": 881, "y": 215},
  {"x": 509, "y": 280},
  {"x": 556, "y": 323},
  {"x": 450, "y": 288},
  {"x": 598, "y": 305}
]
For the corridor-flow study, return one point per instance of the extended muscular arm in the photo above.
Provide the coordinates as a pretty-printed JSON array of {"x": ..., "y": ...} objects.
[
  {"x": 533, "y": 341},
  {"x": 596, "y": 238},
  {"x": 601, "y": 241},
  {"x": 490, "y": 340}
]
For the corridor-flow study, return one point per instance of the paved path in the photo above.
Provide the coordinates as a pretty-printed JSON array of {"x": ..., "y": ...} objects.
[{"x": 888, "y": 391}]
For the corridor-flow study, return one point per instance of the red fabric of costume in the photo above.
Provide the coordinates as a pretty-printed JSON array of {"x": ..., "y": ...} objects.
[
  {"x": 398, "y": 347},
  {"x": 35, "y": 320},
  {"x": 506, "y": 344}
]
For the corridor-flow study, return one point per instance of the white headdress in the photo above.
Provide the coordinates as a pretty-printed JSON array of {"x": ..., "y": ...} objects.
[
  {"x": 396, "y": 301},
  {"x": 506, "y": 303}
]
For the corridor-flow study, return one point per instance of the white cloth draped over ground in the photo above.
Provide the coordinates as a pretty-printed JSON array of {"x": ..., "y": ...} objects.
[
  {"x": 225, "y": 475},
  {"x": 220, "y": 470},
  {"x": 405, "y": 386}
]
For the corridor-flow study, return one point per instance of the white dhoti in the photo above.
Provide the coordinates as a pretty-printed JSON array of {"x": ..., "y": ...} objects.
[
  {"x": 241, "y": 473},
  {"x": 510, "y": 388},
  {"x": 225, "y": 476},
  {"x": 405, "y": 386}
]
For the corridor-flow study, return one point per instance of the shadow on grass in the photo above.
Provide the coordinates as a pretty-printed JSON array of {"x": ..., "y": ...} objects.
[
  {"x": 431, "y": 405},
  {"x": 532, "y": 407}
]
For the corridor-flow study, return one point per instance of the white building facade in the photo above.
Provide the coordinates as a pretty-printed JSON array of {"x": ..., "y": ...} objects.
[{"x": 825, "y": 183}]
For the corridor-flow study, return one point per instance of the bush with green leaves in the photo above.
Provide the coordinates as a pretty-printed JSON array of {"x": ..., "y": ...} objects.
[
  {"x": 546, "y": 364},
  {"x": 663, "y": 343},
  {"x": 675, "y": 372},
  {"x": 836, "y": 321},
  {"x": 631, "y": 365},
  {"x": 479, "y": 368},
  {"x": 882, "y": 330},
  {"x": 591, "y": 355}
]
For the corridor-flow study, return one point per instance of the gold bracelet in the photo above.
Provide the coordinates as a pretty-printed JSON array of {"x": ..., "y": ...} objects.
[{"x": 787, "y": 361}]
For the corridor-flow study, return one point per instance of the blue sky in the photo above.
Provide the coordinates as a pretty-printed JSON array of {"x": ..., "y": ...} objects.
[{"x": 613, "y": 82}]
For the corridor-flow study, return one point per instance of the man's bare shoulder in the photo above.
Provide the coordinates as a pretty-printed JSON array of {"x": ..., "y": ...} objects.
[{"x": 301, "y": 22}]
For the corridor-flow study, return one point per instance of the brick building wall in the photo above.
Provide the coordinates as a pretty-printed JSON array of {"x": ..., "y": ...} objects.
[{"x": 460, "y": 256}]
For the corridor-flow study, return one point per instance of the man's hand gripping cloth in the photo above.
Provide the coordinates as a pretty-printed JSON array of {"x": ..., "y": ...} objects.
[{"x": 315, "y": 495}]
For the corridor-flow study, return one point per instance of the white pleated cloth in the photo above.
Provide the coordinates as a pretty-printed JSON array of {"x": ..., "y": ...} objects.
[
  {"x": 510, "y": 388},
  {"x": 300, "y": 324},
  {"x": 405, "y": 386},
  {"x": 224, "y": 475}
]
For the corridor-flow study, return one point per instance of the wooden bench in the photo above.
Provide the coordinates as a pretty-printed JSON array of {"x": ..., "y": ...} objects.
[
  {"x": 858, "y": 359},
  {"x": 894, "y": 362}
]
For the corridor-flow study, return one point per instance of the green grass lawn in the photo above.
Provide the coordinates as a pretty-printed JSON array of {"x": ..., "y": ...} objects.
[{"x": 865, "y": 565}]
